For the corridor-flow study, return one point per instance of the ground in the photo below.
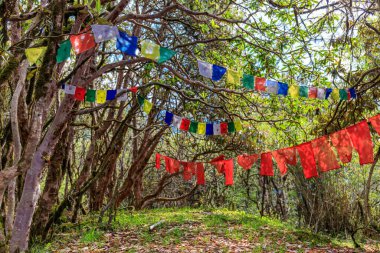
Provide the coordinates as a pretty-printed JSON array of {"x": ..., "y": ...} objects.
[{"x": 192, "y": 230}]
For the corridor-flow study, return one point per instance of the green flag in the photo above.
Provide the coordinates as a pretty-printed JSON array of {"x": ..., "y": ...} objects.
[
  {"x": 90, "y": 95},
  {"x": 165, "y": 54},
  {"x": 63, "y": 52},
  {"x": 231, "y": 127},
  {"x": 304, "y": 91},
  {"x": 193, "y": 127},
  {"x": 343, "y": 94},
  {"x": 248, "y": 81},
  {"x": 140, "y": 100}
]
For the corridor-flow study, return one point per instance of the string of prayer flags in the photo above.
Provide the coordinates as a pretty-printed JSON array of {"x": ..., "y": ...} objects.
[
  {"x": 63, "y": 52},
  {"x": 189, "y": 169},
  {"x": 127, "y": 44},
  {"x": 35, "y": 54},
  {"x": 145, "y": 104},
  {"x": 104, "y": 32},
  {"x": 99, "y": 96},
  {"x": 155, "y": 52},
  {"x": 82, "y": 42},
  {"x": 211, "y": 71}
]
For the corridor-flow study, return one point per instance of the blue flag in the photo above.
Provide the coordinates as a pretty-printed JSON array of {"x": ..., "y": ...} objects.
[
  {"x": 111, "y": 94},
  {"x": 218, "y": 72},
  {"x": 352, "y": 92},
  {"x": 127, "y": 44},
  {"x": 168, "y": 118},
  {"x": 282, "y": 89},
  {"x": 328, "y": 92},
  {"x": 209, "y": 129}
]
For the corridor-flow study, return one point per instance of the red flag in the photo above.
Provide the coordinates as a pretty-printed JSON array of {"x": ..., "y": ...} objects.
[
  {"x": 362, "y": 141},
  {"x": 283, "y": 157},
  {"x": 226, "y": 167},
  {"x": 313, "y": 91},
  {"x": 342, "y": 142},
  {"x": 246, "y": 161},
  {"x": 305, "y": 152},
  {"x": 223, "y": 128},
  {"x": 80, "y": 93},
  {"x": 200, "y": 174},
  {"x": 375, "y": 122},
  {"x": 187, "y": 170},
  {"x": 260, "y": 83},
  {"x": 219, "y": 158},
  {"x": 185, "y": 124},
  {"x": 324, "y": 155},
  {"x": 266, "y": 168},
  {"x": 172, "y": 165},
  {"x": 158, "y": 161},
  {"x": 133, "y": 89},
  {"x": 82, "y": 42}
]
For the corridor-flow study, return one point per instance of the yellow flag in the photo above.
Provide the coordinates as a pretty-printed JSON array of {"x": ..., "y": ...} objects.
[
  {"x": 335, "y": 94},
  {"x": 147, "y": 107},
  {"x": 201, "y": 128},
  {"x": 34, "y": 54},
  {"x": 294, "y": 91},
  {"x": 233, "y": 77},
  {"x": 238, "y": 125},
  {"x": 101, "y": 96},
  {"x": 150, "y": 50}
]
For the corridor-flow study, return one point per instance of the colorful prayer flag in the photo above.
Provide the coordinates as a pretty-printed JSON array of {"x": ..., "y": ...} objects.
[
  {"x": 343, "y": 94},
  {"x": 177, "y": 120},
  {"x": 231, "y": 127},
  {"x": 335, "y": 94},
  {"x": 342, "y": 142},
  {"x": 201, "y": 128},
  {"x": 328, "y": 92},
  {"x": 248, "y": 81},
  {"x": 238, "y": 125},
  {"x": 324, "y": 154},
  {"x": 216, "y": 129},
  {"x": 294, "y": 91},
  {"x": 266, "y": 167},
  {"x": 63, "y": 52},
  {"x": 168, "y": 118},
  {"x": 362, "y": 141},
  {"x": 209, "y": 129},
  {"x": 282, "y": 89},
  {"x": 352, "y": 92},
  {"x": 104, "y": 32},
  {"x": 34, "y": 54},
  {"x": 185, "y": 124},
  {"x": 82, "y": 42},
  {"x": 91, "y": 95},
  {"x": 127, "y": 44},
  {"x": 304, "y": 91},
  {"x": 155, "y": 52},
  {"x": 260, "y": 83},
  {"x": 165, "y": 55},
  {"x": 79, "y": 93},
  {"x": 375, "y": 122},
  {"x": 223, "y": 128},
  {"x": 122, "y": 97},
  {"x": 313, "y": 92},
  {"x": 246, "y": 161},
  {"x": 70, "y": 89},
  {"x": 306, "y": 154},
  {"x": 111, "y": 95},
  {"x": 101, "y": 96},
  {"x": 321, "y": 93},
  {"x": 271, "y": 86},
  {"x": 233, "y": 77},
  {"x": 147, "y": 107},
  {"x": 193, "y": 127},
  {"x": 211, "y": 71}
]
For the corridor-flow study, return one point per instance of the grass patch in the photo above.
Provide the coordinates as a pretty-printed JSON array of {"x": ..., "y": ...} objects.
[{"x": 92, "y": 235}]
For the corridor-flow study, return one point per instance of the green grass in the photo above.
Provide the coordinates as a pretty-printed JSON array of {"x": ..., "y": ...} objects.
[{"x": 182, "y": 224}]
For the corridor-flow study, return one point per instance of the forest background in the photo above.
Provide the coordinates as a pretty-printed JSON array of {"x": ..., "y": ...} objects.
[{"x": 62, "y": 158}]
